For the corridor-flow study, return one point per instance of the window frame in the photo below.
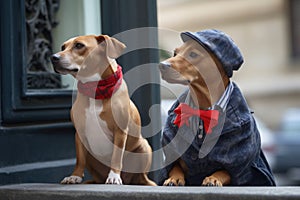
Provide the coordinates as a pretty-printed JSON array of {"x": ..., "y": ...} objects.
[{"x": 19, "y": 104}]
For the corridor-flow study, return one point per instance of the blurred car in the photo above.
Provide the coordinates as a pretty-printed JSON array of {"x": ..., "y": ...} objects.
[
  {"x": 287, "y": 157},
  {"x": 267, "y": 135},
  {"x": 268, "y": 144}
]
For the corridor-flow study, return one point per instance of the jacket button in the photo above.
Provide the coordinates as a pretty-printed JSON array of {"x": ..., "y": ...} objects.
[{"x": 194, "y": 157}]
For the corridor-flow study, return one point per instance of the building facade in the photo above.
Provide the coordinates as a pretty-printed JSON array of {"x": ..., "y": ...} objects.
[{"x": 267, "y": 33}]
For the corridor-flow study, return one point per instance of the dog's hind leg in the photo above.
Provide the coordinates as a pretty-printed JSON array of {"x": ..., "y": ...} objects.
[{"x": 144, "y": 180}]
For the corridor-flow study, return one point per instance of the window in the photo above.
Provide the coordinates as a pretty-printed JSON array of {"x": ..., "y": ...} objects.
[
  {"x": 48, "y": 25},
  {"x": 75, "y": 17}
]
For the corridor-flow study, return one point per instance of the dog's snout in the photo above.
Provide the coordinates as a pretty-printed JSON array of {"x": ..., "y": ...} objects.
[
  {"x": 164, "y": 65},
  {"x": 55, "y": 58}
]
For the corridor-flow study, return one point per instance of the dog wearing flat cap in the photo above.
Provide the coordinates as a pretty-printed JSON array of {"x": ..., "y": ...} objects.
[{"x": 210, "y": 137}]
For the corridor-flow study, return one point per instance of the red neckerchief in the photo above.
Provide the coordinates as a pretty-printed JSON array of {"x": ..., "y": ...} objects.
[
  {"x": 184, "y": 112},
  {"x": 102, "y": 89}
]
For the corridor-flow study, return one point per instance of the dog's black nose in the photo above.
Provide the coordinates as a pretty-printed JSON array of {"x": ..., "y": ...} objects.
[
  {"x": 55, "y": 58},
  {"x": 164, "y": 65}
]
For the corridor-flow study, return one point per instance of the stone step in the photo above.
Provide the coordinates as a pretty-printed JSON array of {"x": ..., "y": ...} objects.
[{"x": 39, "y": 191}]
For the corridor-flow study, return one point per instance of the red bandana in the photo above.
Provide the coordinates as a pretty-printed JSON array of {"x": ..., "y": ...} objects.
[
  {"x": 102, "y": 89},
  {"x": 184, "y": 112}
]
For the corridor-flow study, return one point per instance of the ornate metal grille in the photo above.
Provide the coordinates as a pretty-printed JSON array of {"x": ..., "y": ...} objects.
[{"x": 40, "y": 20}]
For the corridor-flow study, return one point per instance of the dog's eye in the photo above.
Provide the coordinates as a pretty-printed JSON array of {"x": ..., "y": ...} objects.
[
  {"x": 78, "y": 45},
  {"x": 63, "y": 47},
  {"x": 193, "y": 55}
]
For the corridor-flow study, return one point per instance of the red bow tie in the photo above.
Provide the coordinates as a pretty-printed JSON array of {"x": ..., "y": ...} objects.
[
  {"x": 102, "y": 89},
  {"x": 184, "y": 112}
]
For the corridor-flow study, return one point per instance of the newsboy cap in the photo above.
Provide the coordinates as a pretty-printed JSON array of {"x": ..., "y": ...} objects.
[{"x": 221, "y": 45}]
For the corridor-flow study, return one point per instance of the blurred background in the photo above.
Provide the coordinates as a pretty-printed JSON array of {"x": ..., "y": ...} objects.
[{"x": 268, "y": 34}]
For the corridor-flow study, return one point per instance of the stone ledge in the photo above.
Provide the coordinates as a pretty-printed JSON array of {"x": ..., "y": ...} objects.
[{"x": 92, "y": 192}]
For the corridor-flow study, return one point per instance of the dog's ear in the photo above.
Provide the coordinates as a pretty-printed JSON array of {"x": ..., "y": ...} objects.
[
  {"x": 100, "y": 39},
  {"x": 114, "y": 47}
]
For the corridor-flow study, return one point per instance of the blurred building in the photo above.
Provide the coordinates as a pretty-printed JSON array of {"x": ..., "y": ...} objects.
[{"x": 267, "y": 33}]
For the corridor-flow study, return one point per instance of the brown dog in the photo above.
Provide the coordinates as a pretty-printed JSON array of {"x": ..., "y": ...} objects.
[
  {"x": 192, "y": 65},
  {"x": 210, "y": 136},
  {"x": 108, "y": 127}
]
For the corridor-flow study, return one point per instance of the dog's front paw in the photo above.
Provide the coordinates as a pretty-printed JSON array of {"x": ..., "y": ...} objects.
[
  {"x": 172, "y": 181},
  {"x": 71, "y": 180},
  {"x": 113, "y": 178},
  {"x": 212, "y": 181}
]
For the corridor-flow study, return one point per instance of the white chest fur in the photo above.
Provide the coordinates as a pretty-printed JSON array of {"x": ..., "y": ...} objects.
[{"x": 94, "y": 133}]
